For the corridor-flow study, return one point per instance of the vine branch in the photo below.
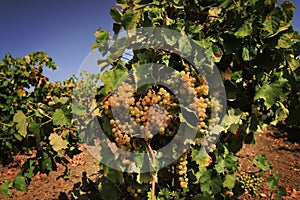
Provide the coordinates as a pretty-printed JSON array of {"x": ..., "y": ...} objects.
[
  {"x": 98, "y": 105},
  {"x": 153, "y": 163}
]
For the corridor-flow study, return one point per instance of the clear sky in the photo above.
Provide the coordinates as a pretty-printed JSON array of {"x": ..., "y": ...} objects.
[{"x": 62, "y": 28}]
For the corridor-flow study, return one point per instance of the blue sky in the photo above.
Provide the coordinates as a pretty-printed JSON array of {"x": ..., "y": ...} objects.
[{"x": 62, "y": 28}]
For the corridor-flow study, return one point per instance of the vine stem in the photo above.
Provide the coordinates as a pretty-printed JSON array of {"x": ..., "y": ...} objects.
[
  {"x": 153, "y": 163},
  {"x": 10, "y": 125},
  {"x": 98, "y": 105}
]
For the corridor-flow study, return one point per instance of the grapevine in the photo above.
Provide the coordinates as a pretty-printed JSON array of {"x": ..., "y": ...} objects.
[{"x": 130, "y": 117}]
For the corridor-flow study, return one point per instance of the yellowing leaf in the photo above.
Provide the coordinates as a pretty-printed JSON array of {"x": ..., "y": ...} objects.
[
  {"x": 229, "y": 181},
  {"x": 27, "y": 59},
  {"x": 57, "y": 142},
  {"x": 201, "y": 157},
  {"x": 20, "y": 119}
]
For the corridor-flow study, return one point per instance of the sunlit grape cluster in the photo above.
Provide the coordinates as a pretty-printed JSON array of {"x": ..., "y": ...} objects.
[
  {"x": 142, "y": 116},
  {"x": 181, "y": 170},
  {"x": 250, "y": 183}
]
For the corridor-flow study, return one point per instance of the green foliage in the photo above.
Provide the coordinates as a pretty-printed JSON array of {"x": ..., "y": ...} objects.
[
  {"x": 262, "y": 163},
  {"x": 5, "y": 189},
  {"x": 35, "y": 117},
  {"x": 252, "y": 43},
  {"x": 257, "y": 51}
]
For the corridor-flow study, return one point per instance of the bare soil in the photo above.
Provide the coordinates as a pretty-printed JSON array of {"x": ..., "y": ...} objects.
[{"x": 281, "y": 148}]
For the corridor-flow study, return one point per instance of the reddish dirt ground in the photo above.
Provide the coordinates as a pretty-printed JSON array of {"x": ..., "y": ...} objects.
[
  {"x": 281, "y": 148},
  {"x": 43, "y": 187}
]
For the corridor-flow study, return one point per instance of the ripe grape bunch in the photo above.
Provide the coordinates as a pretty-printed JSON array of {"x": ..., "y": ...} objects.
[{"x": 154, "y": 115}]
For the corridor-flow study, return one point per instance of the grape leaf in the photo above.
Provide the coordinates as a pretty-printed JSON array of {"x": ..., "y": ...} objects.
[
  {"x": 116, "y": 15},
  {"x": 272, "y": 22},
  {"x": 113, "y": 175},
  {"x": 4, "y": 189},
  {"x": 272, "y": 181},
  {"x": 229, "y": 181},
  {"x": 63, "y": 100},
  {"x": 201, "y": 157},
  {"x": 271, "y": 92},
  {"x": 206, "y": 181},
  {"x": 20, "y": 119},
  {"x": 244, "y": 30},
  {"x": 185, "y": 46},
  {"x": 144, "y": 178},
  {"x": 79, "y": 110},
  {"x": 47, "y": 163},
  {"x": 130, "y": 19},
  {"x": 112, "y": 77},
  {"x": 57, "y": 142},
  {"x": 261, "y": 162},
  {"x": 60, "y": 117},
  {"x": 286, "y": 41},
  {"x": 20, "y": 183},
  {"x": 220, "y": 166}
]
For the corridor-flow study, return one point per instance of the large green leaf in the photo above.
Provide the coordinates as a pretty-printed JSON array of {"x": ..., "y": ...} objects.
[
  {"x": 130, "y": 19},
  {"x": 112, "y": 77},
  {"x": 272, "y": 21},
  {"x": 205, "y": 181},
  {"x": 271, "y": 92},
  {"x": 220, "y": 166},
  {"x": 20, "y": 119},
  {"x": 233, "y": 119},
  {"x": 244, "y": 30}
]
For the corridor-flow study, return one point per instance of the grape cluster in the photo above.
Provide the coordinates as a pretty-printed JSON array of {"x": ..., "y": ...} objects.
[
  {"x": 181, "y": 170},
  {"x": 207, "y": 107},
  {"x": 139, "y": 117},
  {"x": 250, "y": 183},
  {"x": 134, "y": 192}
]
